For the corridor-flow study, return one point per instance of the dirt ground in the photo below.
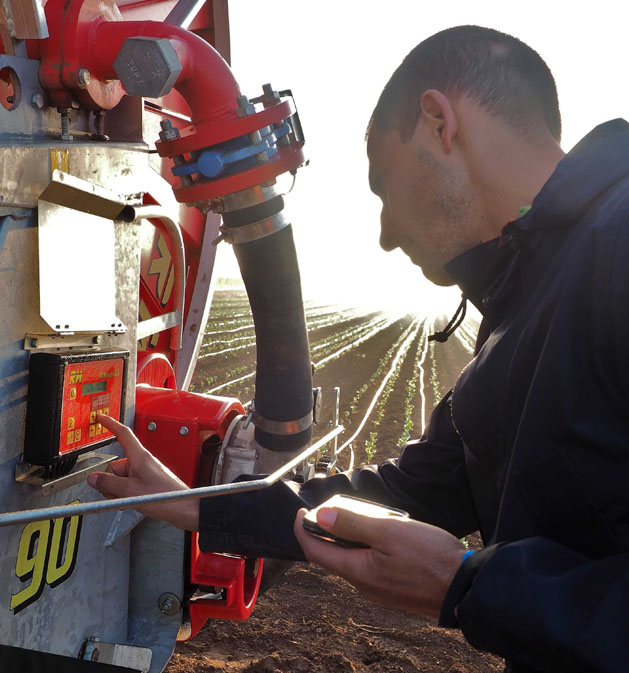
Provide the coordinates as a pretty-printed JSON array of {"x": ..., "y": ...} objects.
[
  {"x": 314, "y": 622},
  {"x": 311, "y": 621}
]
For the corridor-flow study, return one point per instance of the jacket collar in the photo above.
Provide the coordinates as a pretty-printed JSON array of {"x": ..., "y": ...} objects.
[{"x": 594, "y": 165}]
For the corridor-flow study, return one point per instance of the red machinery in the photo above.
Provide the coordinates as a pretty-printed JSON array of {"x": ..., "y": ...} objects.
[{"x": 121, "y": 77}]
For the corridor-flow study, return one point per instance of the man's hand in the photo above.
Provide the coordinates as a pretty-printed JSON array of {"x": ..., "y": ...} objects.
[
  {"x": 140, "y": 473},
  {"x": 410, "y": 564}
]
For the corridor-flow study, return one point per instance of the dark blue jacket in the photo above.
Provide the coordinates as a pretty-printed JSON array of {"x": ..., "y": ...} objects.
[{"x": 531, "y": 446}]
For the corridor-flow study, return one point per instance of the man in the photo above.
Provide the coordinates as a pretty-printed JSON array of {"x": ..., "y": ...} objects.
[{"x": 532, "y": 447}]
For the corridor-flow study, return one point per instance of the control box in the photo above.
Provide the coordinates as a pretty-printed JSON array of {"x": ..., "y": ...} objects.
[{"x": 65, "y": 392}]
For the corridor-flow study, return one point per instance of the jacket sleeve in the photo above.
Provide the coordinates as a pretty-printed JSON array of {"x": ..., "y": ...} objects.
[
  {"x": 428, "y": 480},
  {"x": 544, "y": 607}
]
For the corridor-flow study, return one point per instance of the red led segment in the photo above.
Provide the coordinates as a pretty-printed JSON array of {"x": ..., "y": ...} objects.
[{"x": 89, "y": 388}]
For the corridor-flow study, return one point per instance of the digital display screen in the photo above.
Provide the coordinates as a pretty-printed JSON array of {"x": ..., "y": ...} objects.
[{"x": 96, "y": 387}]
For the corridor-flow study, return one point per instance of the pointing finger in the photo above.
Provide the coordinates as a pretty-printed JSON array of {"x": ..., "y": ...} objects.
[{"x": 129, "y": 442}]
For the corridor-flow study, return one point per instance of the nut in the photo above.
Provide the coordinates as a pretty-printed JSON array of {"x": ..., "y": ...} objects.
[
  {"x": 83, "y": 78},
  {"x": 37, "y": 101}
]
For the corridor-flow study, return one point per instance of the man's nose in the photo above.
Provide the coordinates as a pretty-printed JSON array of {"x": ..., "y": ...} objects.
[{"x": 388, "y": 240}]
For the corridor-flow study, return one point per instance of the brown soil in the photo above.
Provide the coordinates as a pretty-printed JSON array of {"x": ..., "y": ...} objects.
[
  {"x": 311, "y": 621},
  {"x": 314, "y": 622}
]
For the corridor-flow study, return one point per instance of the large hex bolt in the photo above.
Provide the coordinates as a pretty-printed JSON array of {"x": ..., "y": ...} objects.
[{"x": 147, "y": 66}]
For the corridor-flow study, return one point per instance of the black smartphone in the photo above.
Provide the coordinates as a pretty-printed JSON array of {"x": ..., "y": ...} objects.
[{"x": 353, "y": 504}]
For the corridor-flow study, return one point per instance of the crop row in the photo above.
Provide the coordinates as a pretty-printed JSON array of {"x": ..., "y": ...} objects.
[
  {"x": 391, "y": 380},
  {"x": 393, "y": 356}
]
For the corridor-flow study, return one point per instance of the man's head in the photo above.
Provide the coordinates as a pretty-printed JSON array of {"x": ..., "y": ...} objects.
[{"x": 444, "y": 142}]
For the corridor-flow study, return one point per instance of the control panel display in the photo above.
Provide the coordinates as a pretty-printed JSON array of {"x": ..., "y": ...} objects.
[{"x": 65, "y": 392}]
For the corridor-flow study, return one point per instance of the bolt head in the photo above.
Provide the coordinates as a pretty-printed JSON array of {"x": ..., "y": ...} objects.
[
  {"x": 147, "y": 66},
  {"x": 270, "y": 96},
  {"x": 183, "y": 430},
  {"x": 152, "y": 426},
  {"x": 245, "y": 108},
  {"x": 83, "y": 78},
  {"x": 37, "y": 101},
  {"x": 168, "y": 604}
]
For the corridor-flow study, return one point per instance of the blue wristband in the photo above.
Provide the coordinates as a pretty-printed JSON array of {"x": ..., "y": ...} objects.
[{"x": 467, "y": 554}]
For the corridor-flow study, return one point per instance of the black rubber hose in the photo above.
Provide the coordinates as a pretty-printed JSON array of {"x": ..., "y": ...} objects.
[{"x": 270, "y": 272}]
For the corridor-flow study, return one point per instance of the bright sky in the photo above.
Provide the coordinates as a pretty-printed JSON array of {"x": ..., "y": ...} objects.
[{"x": 336, "y": 56}]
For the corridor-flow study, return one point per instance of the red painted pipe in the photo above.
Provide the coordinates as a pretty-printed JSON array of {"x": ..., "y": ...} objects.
[
  {"x": 86, "y": 35},
  {"x": 206, "y": 81}
]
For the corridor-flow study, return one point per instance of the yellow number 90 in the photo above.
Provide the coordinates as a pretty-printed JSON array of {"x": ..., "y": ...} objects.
[{"x": 41, "y": 559}]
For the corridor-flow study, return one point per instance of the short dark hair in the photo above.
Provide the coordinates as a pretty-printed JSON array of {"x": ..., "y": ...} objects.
[{"x": 494, "y": 69}]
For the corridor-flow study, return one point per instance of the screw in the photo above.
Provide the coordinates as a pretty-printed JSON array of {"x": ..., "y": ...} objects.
[
  {"x": 65, "y": 123},
  {"x": 183, "y": 430},
  {"x": 37, "y": 101},
  {"x": 83, "y": 78},
  {"x": 99, "y": 126},
  {"x": 152, "y": 426},
  {"x": 168, "y": 132},
  {"x": 270, "y": 96}
]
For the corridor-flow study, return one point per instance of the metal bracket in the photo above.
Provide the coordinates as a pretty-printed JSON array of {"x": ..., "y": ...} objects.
[
  {"x": 26, "y": 19},
  {"x": 25, "y": 473},
  {"x": 252, "y": 232},
  {"x": 158, "y": 323},
  {"x": 71, "y": 192},
  {"x": 89, "y": 340},
  {"x": 117, "y": 654},
  {"x": 282, "y": 427}
]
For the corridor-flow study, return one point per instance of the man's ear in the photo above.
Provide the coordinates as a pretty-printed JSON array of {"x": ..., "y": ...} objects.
[{"x": 438, "y": 113}]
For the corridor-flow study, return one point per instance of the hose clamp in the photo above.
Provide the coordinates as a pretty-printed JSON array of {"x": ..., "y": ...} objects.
[
  {"x": 282, "y": 427},
  {"x": 254, "y": 231}
]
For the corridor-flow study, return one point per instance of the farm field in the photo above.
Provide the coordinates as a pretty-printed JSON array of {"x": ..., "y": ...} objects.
[{"x": 390, "y": 378}]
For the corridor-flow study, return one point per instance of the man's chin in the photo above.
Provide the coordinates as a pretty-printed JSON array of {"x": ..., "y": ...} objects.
[{"x": 435, "y": 274}]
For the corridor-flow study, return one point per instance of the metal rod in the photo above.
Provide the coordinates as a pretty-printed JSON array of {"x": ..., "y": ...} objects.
[
  {"x": 27, "y": 516},
  {"x": 184, "y": 12}
]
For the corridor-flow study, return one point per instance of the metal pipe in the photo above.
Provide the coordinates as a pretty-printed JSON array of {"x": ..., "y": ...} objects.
[
  {"x": 96, "y": 507},
  {"x": 206, "y": 81},
  {"x": 152, "y": 212}
]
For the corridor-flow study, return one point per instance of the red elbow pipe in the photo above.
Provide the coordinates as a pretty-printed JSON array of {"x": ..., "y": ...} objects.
[
  {"x": 85, "y": 39},
  {"x": 206, "y": 81}
]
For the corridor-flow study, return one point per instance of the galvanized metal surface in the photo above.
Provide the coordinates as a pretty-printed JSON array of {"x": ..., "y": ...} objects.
[
  {"x": 94, "y": 598},
  {"x": 26, "y": 19},
  {"x": 27, "y": 119}
]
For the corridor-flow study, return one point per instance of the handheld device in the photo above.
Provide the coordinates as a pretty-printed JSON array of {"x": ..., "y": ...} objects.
[{"x": 357, "y": 505}]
